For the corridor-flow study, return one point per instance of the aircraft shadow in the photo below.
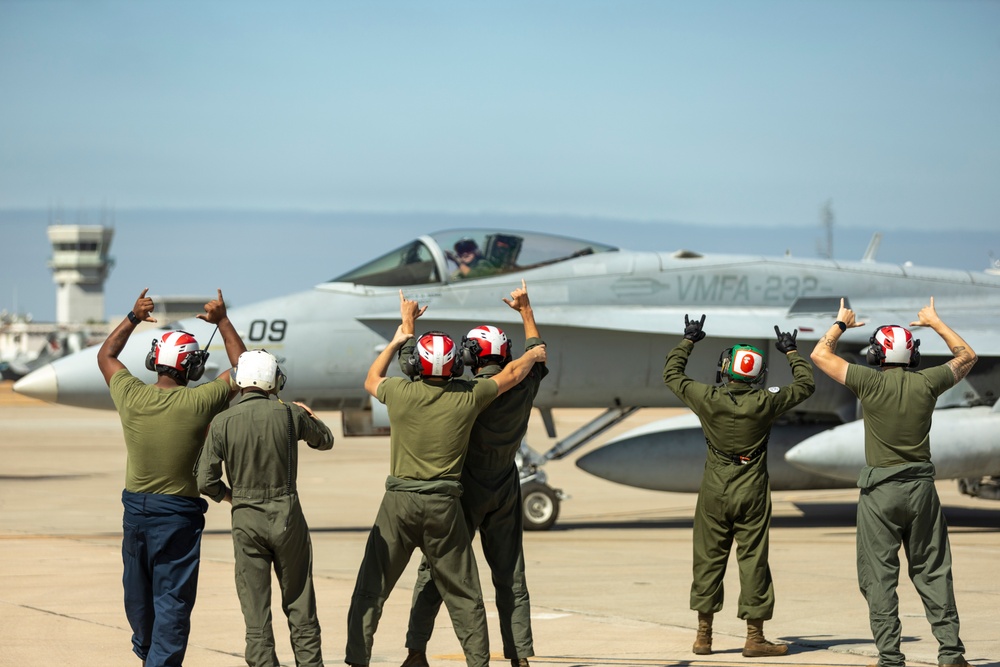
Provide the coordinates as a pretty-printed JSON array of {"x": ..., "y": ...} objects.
[{"x": 813, "y": 515}]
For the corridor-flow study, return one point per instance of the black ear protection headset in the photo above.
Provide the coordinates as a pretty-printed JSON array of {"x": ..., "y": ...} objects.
[
  {"x": 411, "y": 364},
  {"x": 876, "y": 353},
  {"x": 471, "y": 349},
  {"x": 193, "y": 364}
]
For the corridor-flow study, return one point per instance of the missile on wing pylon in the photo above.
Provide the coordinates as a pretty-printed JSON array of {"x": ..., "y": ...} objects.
[
  {"x": 669, "y": 455},
  {"x": 964, "y": 443}
]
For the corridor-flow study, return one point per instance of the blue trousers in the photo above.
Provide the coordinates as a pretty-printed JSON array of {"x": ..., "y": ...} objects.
[{"x": 161, "y": 551}]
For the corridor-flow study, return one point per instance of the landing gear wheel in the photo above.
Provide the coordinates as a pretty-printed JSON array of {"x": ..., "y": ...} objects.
[{"x": 540, "y": 505}]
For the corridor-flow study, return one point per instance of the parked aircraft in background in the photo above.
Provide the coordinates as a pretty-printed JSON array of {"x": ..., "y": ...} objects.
[
  {"x": 57, "y": 344},
  {"x": 609, "y": 317}
]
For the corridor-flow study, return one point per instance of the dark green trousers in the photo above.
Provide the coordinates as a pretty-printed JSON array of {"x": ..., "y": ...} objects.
[
  {"x": 491, "y": 503},
  {"x": 433, "y": 523},
  {"x": 734, "y": 503},
  {"x": 906, "y": 512},
  {"x": 266, "y": 534}
]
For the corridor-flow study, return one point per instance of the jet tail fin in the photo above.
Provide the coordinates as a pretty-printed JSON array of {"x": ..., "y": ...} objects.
[{"x": 872, "y": 247}]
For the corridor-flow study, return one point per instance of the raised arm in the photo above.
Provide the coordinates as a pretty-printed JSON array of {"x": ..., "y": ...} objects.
[
  {"x": 107, "y": 356},
  {"x": 965, "y": 357},
  {"x": 517, "y": 370},
  {"x": 409, "y": 312},
  {"x": 519, "y": 302},
  {"x": 803, "y": 384},
  {"x": 215, "y": 313},
  {"x": 824, "y": 355},
  {"x": 674, "y": 375}
]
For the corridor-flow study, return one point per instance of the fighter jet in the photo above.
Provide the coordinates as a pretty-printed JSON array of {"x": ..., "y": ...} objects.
[{"x": 609, "y": 316}]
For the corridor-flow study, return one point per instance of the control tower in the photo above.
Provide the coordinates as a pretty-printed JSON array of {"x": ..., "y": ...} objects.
[{"x": 80, "y": 265}]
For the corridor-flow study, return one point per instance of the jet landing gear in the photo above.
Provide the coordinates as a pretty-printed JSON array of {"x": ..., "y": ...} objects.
[{"x": 539, "y": 501}]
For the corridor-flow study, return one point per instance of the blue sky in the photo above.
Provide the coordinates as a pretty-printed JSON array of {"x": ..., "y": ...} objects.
[{"x": 741, "y": 113}]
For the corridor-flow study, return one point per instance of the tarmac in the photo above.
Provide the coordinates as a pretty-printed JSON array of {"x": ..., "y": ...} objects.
[{"x": 609, "y": 583}]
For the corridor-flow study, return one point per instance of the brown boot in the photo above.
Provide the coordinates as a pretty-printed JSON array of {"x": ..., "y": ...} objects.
[
  {"x": 757, "y": 646},
  {"x": 703, "y": 640},
  {"x": 415, "y": 659},
  {"x": 518, "y": 662}
]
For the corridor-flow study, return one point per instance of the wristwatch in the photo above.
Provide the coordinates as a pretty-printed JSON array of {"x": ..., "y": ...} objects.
[
  {"x": 842, "y": 325},
  {"x": 132, "y": 318}
]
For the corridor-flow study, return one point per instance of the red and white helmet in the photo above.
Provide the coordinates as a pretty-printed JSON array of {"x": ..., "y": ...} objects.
[
  {"x": 179, "y": 351},
  {"x": 437, "y": 356},
  {"x": 486, "y": 341},
  {"x": 893, "y": 344}
]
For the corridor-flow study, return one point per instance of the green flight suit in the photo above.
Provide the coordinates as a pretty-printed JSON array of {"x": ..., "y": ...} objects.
[
  {"x": 898, "y": 505},
  {"x": 431, "y": 421},
  {"x": 491, "y": 502},
  {"x": 734, "y": 501},
  {"x": 258, "y": 445}
]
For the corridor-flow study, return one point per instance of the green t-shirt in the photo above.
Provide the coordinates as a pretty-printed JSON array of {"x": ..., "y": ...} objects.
[
  {"x": 898, "y": 406},
  {"x": 164, "y": 430},
  {"x": 431, "y": 421}
]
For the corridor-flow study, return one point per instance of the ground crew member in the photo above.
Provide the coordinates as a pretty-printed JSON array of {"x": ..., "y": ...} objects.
[
  {"x": 898, "y": 504},
  {"x": 430, "y": 419},
  {"x": 734, "y": 501},
  {"x": 257, "y": 439},
  {"x": 491, "y": 492},
  {"x": 164, "y": 426}
]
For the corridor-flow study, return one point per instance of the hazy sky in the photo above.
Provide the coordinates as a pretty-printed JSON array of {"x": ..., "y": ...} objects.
[
  {"x": 752, "y": 112},
  {"x": 637, "y": 124}
]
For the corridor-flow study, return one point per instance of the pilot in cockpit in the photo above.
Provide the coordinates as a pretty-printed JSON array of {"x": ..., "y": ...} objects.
[{"x": 470, "y": 259}]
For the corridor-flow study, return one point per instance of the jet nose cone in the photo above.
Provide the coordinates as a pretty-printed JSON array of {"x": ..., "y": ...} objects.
[{"x": 40, "y": 383}]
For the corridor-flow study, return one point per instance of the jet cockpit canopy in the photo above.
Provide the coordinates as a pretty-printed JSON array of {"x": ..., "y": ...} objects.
[{"x": 467, "y": 254}]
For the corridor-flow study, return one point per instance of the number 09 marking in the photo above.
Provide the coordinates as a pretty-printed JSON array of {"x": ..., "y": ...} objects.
[{"x": 275, "y": 332}]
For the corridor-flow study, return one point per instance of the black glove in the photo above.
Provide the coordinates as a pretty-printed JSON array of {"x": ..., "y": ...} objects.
[
  {"x": 786, "y": 341},
  {"x": 692, "y": 329}
]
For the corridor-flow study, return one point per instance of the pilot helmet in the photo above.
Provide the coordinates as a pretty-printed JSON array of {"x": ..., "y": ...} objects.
[
  {"x": 177, "y": 354},
  {"x": 465, "y": 245},
  {"x": 743, "y": 362},
  {"x": 435, "y": 355},
  {"x": 259, "y": 368},
  {"x": 893, "y": 345},
  {"x": 483, "y": 342}
]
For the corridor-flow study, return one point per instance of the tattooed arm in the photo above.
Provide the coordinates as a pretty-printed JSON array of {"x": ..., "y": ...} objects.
[
  {"x": 965, "y": 358},
  {"x": 824, "y": 355}
]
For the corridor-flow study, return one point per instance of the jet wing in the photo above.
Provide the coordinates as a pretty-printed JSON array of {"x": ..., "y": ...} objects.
[{"x": 751, "y": 322}]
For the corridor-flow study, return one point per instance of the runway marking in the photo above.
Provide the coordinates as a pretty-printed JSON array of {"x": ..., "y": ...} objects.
[
  {"x": 115, "y": 627},
  {"x": 589, "y": 661}
]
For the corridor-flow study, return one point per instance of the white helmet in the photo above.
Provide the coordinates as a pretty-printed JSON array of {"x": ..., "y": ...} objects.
[
  {"x": 893, "y": 345},
  {"x": 259, "y": 368}
]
